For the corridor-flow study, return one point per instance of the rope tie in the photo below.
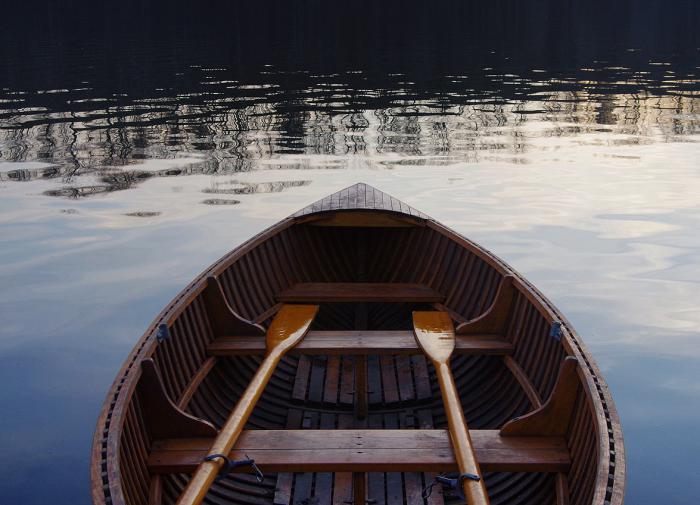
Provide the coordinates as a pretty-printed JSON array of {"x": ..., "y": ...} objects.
[
  {"x": 229, "y": 465},
  {"x": 453, "y": 481}
]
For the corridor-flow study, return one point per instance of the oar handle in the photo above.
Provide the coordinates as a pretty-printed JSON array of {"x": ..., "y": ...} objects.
[
  {"x": 207, "y": 470},
  {"x": 474, "y": 490}
]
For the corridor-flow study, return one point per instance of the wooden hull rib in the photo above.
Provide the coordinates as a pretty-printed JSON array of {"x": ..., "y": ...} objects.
[{"x": 354, "y": 412}]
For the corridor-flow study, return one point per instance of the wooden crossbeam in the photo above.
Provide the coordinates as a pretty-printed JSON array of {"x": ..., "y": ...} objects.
[
  {"x": 318, "y": 292},
  {"x": 367, "y": 451},
  {"x": 359, "y": 343}
]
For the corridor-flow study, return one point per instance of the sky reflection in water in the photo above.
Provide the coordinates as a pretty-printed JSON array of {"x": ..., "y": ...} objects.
[{"x": 586, "y": 181}]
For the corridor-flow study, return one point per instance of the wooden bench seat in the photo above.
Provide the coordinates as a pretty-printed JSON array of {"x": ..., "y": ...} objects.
[
  {"x": 337, "y": 488},
  {"x": 376, "y": 450},
  {"x": 359, "y": 343},
  {"x": 320, "y": 292}
]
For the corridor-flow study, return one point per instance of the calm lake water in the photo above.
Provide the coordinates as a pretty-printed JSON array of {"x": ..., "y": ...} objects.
[{"x": 138, "y": 145}]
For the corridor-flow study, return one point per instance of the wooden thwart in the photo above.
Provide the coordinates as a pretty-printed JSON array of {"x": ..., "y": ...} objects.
[
  {"x": 317, "y": 292},
  {"x": 359, "y": 343},
  {"x": 367, "y": 451}
]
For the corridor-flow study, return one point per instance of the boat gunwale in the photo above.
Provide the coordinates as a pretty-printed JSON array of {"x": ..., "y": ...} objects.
[
  {"x": 121, "y": 390},
  {"x": 598, "y": 395},
  {"x": 112, "y": 414}
]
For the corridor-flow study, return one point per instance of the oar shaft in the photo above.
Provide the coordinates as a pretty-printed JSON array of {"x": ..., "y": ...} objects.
[
  {"x": 223, "y": 444},
  {"x": 475, "y": 491}
]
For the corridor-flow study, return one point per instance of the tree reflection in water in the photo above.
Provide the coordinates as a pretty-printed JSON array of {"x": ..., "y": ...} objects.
[{"x": 236, "y": 85}]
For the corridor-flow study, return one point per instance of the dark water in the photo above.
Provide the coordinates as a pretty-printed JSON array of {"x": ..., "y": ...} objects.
[{"x": 139, "y": 141}]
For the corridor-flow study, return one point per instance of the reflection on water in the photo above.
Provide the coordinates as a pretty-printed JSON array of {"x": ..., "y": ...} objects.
[
  {"x": 232, "y": 127},
  {"x": 138, "y": 149}
]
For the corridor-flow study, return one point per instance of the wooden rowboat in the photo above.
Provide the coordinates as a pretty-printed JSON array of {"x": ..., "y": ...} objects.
[{"x": 358, "y": 351}]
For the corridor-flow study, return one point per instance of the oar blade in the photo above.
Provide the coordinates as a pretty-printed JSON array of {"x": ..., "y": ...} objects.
[
  {"x": 289, "y": 326},
  {"x": 435, "y": 334}
]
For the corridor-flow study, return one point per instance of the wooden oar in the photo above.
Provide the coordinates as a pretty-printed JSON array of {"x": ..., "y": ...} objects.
[
  {"x": 287, "y": 329},
  {"x": 436, "y": 336}
]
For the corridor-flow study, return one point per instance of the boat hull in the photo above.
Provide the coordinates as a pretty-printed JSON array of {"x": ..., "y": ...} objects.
[{"x": 363, "y": 238}]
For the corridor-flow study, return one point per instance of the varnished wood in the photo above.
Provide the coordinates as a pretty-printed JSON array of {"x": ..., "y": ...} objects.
[
  {"x": 361, "y": 343},
  {"x": 562, "y": 487},
  {"x": 427, "y": 253},
  {"x": 458, "y": 318},
  {"x": 524, "y": 381},
  {"x": 361, "y": 400},
  {"x": 155, "y": 491},
  {"x": 195, "y": 382},
  {"x": 361, "y": 219},
  {"x": 285, "y": 481},
  {"x": 359, "y": 292},
  {"x": 494, "y": 320},
  {"x": 552, "y": 418},
  {"x": 224, "y": 319},
  {"x": 359, "y": 197},
  {"x": 163, "y": 417},
  {"x": 435, "y": 334},
  {"x": 368, "y": 451},
  {"x": 287, "y": 329},
  {"x": 261, "y": 318},
  {"x": 361, "y": 394},
  {"x": 359, "y": 488}
]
